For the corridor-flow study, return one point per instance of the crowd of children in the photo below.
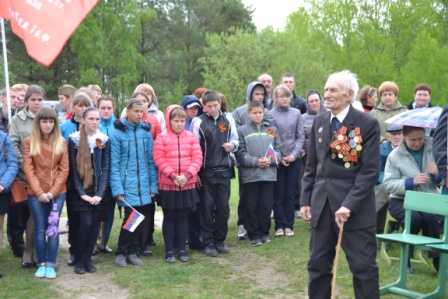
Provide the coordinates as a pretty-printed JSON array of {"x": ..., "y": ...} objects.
[{"x": 182, "y": 160}]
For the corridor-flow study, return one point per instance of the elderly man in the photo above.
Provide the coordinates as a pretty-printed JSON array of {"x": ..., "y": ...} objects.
[
  {"x": 266, "y": 80},
  {"x": 338, "y": 190}
]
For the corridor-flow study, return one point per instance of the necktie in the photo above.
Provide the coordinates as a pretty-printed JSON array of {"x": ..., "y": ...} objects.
[{"x": 335, "y": 125}]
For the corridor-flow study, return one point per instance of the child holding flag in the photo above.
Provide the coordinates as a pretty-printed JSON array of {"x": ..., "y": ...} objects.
[
  {"x": 133, "y": 180},
  {"x": 178, "y": 157},
  {"x": 45, "y": 164},
  {"x": 89, "y": 156},
  {"x": 291, "y": 136},
  {"x": 258, "y": 158}
]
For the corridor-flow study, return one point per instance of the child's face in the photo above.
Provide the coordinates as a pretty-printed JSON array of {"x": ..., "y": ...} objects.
[
  {"x": 258, "y": 94},
  {"x": 395, "y": 138},
  {"x": 212, "y": 108},
  {"x": 135, "y": 114},
  {"x": 46, "y": 126},
  {"x": 192, "y": 112},
  {"x": 92, "y": 120},
  {"x": 106, "y": 109},
  {"x": 177, "y": 124},
  {"x": 79, "y": 110},
  {"x": 283, "y": 100},
  {"x": 256, "y": 115}
]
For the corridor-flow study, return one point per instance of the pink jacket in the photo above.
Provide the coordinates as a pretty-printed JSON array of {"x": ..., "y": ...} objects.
[{"x": 176, "y": 154}]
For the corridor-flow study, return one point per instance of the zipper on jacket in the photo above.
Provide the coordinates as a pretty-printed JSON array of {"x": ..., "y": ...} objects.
[
  {"x": 138, "y": 167},
  {"x": 126, "y": 167},
  {"x": 178, "y": 157},
  {"x": 205, "y": 146}
]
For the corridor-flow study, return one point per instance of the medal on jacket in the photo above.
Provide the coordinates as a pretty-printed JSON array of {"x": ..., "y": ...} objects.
[
  {"x": 222, "y": 128},
  {"x": 347, "y": 146}
]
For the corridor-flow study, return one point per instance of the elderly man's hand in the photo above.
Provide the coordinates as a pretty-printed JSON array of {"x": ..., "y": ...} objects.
[
  {"x": 305, "y": 212},
  {"x": 342, "y": 215}
]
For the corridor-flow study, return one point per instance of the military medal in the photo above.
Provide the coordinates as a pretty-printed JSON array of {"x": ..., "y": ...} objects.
[{"x": 346, "y": 146}]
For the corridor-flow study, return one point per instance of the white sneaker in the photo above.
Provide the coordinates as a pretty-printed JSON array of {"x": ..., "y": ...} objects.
[
  {"x": 279, "y": 232},
  {"x": 289, "y": 232},
  {"x": 242, "y": 233}
]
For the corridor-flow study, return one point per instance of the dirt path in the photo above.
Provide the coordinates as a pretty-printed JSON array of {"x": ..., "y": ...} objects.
[
  {"x": 262, "y": 272},
  {"x": 266, "y": 280},
  {"x": 87, "y": 286}
]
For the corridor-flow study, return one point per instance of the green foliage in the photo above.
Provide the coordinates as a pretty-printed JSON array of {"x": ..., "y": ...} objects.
[
  {"x": 403, "y": 40},
  {"x": 179, "y": 45},
  {"x": 123, "y": 43}
]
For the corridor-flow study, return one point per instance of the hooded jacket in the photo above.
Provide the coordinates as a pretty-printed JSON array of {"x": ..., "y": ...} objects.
[
  {"x": 240, "y": 114},
  {"x": 177, "y": 154},
  {"x": 133, "y": 173},
  {"x": 254, "y": 144},
  {"x": 382, "y": 114},
  {"x": 187, "y": 101}
]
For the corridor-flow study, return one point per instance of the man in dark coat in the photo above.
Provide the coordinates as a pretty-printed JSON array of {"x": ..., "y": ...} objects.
[
  {"x": 338, "y": 189},
  {"x": 440, "y": 145},
  {"x": 297, "y": 101}
]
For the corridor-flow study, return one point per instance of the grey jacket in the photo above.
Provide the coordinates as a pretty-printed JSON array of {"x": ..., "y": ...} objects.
[
  {"x": 240, "y": 114},
  {"x": 254, "y": 144},
  {"x": 400, "y": 166},
  {"x": 291, "y": 133},
  {"x": 20, "y": 128}
]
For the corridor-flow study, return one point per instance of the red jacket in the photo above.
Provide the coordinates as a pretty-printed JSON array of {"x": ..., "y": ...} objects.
[
  {"x": 155, "y": 125},
  {"x": 176, "y": 154}
]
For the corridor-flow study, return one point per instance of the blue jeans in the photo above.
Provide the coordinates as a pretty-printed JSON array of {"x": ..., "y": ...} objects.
[{"x": 46, "y": 247}]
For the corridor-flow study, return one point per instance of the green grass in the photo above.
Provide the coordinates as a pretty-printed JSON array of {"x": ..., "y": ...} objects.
[{"x": 276, "y": 270}]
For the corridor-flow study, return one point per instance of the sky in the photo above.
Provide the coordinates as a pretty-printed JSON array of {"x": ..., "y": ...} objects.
[{"x": 272, "y": 12}]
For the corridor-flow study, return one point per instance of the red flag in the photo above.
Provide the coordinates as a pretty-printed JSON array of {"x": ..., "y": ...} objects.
[{"x": 45, "y": 25}]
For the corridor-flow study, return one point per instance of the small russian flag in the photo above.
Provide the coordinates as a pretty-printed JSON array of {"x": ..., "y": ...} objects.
[
  {"x": 270, "y": 153},
  {"x": 133, "y": 221}
]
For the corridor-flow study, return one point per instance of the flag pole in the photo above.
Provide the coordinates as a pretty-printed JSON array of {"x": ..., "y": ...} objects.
[{"x": 5, "y": 68}]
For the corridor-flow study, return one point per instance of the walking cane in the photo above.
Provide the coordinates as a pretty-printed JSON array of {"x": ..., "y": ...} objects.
[{"x": 336, "y": 262}]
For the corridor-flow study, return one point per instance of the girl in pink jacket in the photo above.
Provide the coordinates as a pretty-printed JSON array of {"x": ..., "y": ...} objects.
[{"x": 178, "y": 158}]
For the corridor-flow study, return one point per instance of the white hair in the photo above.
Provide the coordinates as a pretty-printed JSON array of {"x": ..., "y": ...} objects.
[
  {"x": 347, "y": 80},
  {"x": 264, "y": 75}
]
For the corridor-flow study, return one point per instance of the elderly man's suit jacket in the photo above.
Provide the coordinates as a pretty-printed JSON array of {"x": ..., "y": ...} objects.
[{"x": 326, "y": 179}]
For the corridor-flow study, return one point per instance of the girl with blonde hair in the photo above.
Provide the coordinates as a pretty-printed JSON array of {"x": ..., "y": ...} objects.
[{"x": 45, "y": 163}]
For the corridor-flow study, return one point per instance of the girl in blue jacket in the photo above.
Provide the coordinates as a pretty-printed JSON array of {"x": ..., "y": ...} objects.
[{"x": 133, "y": 178}]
